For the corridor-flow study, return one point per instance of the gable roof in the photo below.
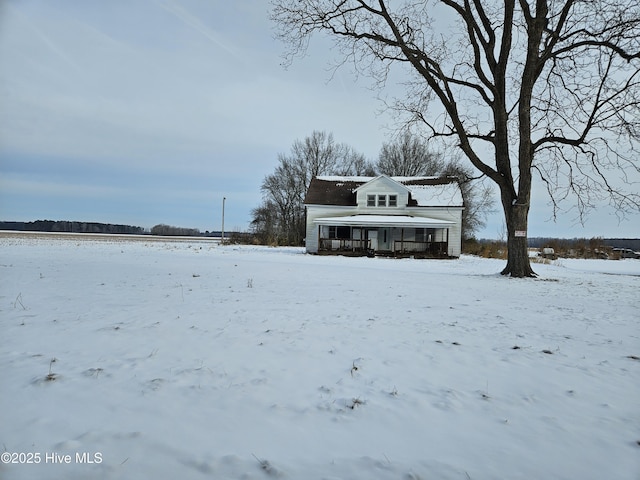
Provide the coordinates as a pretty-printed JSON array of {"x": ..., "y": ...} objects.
[
  {"x": 423, "y": 191},
  {"x": 383, "y": 179}
]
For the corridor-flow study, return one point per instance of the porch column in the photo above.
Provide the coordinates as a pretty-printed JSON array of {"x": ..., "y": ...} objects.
[
  {"x": 351, "y": 237},
  {"x": 447, "y": 244}
]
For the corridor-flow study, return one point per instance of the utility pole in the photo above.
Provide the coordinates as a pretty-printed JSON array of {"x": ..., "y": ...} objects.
[{"x": 223, "y": 200}]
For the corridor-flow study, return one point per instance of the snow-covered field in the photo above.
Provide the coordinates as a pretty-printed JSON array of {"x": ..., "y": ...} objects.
[{"x": 191, "y": 360}]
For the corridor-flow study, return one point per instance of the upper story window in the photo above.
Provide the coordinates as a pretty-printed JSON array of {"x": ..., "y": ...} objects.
[{"x": 382, "y": 200}]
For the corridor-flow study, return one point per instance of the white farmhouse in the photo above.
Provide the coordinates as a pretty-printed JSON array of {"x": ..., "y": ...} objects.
[{"x": 399, "y": 216}]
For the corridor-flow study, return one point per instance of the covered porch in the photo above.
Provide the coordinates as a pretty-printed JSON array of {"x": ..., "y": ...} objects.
[{"x": 392, "y": 235}]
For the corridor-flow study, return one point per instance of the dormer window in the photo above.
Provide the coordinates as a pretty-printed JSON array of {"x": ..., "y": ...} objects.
[{"x": 382, "y": 201}]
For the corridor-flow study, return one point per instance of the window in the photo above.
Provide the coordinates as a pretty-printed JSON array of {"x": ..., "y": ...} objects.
[
  {"x": 380, "y": 200},
  {"x": 339, "y": 232},
  {"x": 425, "y": 234}
]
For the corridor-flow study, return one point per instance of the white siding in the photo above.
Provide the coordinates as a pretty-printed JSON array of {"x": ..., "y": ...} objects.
[
  {"x": 386, "y": 186},
  {"x": 319, "y": 211},
  {"x": 382, "y": 186},
  {"x": 452, "y": 214}
]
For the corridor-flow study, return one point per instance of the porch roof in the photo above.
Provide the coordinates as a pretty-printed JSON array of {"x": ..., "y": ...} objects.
[{"x": 384, "y": 221}]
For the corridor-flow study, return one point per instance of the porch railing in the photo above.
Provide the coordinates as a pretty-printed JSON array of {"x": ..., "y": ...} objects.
[
  {"x": 345, "y": 244},
  {"x": 431, "y": 248},
  {"x": 436, "y": 249}
]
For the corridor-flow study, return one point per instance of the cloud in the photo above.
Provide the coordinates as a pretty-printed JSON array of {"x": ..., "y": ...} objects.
[
  {"x": 169, "y": 104},
  {"x": 194, "y": 22}
]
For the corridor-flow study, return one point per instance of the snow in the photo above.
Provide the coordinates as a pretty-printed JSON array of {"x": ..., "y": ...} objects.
[
  {"x": 437, "y": 195},
  {"x": 364, "y": 178},
  {"x": 445, "y": 195},
  {"x": 194, "y": 360}
]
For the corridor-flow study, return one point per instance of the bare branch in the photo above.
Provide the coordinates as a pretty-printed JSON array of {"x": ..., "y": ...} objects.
[{"x": 550, "y": 87}]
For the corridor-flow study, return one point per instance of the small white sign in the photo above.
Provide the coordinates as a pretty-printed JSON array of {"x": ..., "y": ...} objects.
[{"x": 521, "y": 233}]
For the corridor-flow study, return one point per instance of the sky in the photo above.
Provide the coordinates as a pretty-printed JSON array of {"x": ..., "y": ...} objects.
[{"x": 153, "y": 111}]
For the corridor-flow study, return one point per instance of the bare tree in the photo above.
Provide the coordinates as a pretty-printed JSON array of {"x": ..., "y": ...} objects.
[
  {"x": 283, "y": 191},
  {"x": 478, "y": 199},
  {"x": 264, "y": 223},
  {"x": 352, "y": 163},
  {"x": 542, "y": 87},
  {"x": 281, "y": 217},
  {"x": 409, "y": 155}
]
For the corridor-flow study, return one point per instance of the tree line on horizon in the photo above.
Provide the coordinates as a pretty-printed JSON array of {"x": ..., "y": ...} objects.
[
  {"x": 247, "y": 237},
  {"x": 65, "y": 226}
]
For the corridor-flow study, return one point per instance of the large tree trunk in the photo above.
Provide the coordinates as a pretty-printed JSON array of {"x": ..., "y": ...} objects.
[{"x": 518, "y": 264}]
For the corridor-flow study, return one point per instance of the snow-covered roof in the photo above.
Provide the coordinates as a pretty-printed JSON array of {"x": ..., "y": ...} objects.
[
  {"x": 424, "y": 191},
  {"x": 365, "y": 179},
  {"x": 436, "y": 195}
]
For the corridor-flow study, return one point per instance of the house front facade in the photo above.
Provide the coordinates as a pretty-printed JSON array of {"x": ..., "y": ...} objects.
[{"x": 398, "y": 216}]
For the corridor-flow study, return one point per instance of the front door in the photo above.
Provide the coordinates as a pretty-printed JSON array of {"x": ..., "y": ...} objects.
[
  {"x": 384, "y": 239},
  {"x": 372, "y": 236}
]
